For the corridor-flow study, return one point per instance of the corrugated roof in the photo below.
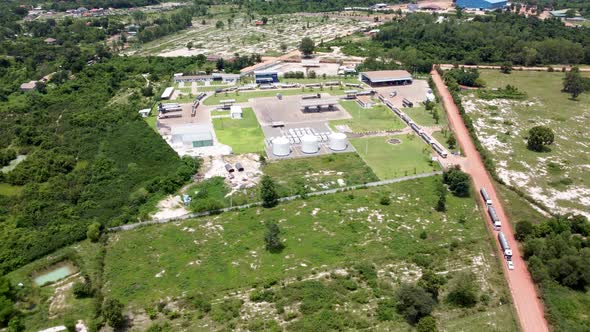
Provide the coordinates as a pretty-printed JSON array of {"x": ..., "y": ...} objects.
[{"x": 384, "y": 75}]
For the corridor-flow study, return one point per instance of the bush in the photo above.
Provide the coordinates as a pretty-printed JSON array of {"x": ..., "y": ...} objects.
[
  {"x": 226, "y": 310},
  {"x": 523, "y": 229},
  {"x": 458, "y": 181},
  {"x": 385, "y": 200},
  {"x": 539, "y": 138},
  {"x": 426, "y": 324},
  {"x": 413, "y": 302},
  {"x": 112, "y": 311},
  {"x": 93, "y": 232},
  {"x": 271, "y": 238},
  {"x": 82, "y": 289},
  {"x": 268, "y": 192},
  {"x": 464, "y": 290}
]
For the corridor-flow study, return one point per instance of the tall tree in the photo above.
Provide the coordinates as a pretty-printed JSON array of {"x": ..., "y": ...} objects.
[
  {"x": 573, "y": 83},
  {"x": 307, "y": 46},
  {"x": 268, "y": 192},
  {"x": 272, "y": 240}
]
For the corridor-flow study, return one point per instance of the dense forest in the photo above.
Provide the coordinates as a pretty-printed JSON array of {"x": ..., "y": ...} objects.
[
  {"x": 73, "y": 4},
  {"x": 495, "y": 38}
]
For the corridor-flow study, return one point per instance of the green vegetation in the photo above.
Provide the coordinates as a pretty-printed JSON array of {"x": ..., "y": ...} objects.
[
  {"x": 243, "y": 135},
  {"x": 410, "y": 156},
  {"x": 443, "y": 136},
  {"x": 219, "y": 255},
  {"x": 376, "y": 118},
  {"x": 424, "y": 117}
]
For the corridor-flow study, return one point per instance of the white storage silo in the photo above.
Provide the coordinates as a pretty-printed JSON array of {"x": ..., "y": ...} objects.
[
  {"x": 338, "y": 142},
  {"x": 280, "y": 146},
  {"x": 309, "y": 144}
]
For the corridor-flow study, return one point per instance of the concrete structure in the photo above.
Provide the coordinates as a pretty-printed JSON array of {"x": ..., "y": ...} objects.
[
  {"x": 280, "y": 147},
  {"x": 309, "y": 144},
  {"x": 338, "y": 141},
  {"x": 145, "y": 112},
  {"x": 386, "y": 77},
  {"x": 191, "y": 135},
  {"x": 235, "y": 112},
  {"x": 266, "y": 76},
  {"x": 29, "y": 86},
  {"x": 481, "y": 4},
  {"x": 364, "y": 101},
  {"x": 167, "y": 94},
  {"x": 220, "y": 77}
]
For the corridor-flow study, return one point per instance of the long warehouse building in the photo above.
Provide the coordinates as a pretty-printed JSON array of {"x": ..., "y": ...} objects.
[{"x": 386, "y": 77}]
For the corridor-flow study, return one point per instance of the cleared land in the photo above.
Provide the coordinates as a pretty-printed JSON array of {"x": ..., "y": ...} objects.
[
  {"x": 241, "y": 35},
  {"x": 330, "y": 242},
  {"x": 244, "y": 135},
  {"x": 560, "y": 179},
  {"x": 377, "y": 118},
  {"x": 388, "y": 161}
]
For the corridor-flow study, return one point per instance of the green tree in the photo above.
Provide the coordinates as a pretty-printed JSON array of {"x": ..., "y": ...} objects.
[
  {"x": 463, "y": 291},
  {"x": 427, "y": 324},
  {"x": 307, "y": 46},
  {"x": 537, "y": 269},
  {"x": 16, "y": 325},
  {"x": 189, "y": 45},
  {"x": 268, "y": 192},
  {"x": 539, "y": 138},
  {"x": 284, "y": 47},
  {"x": 442, "y": 197},
  {"x": 506, "y": 68},
  {"x": 573, "y": 83},
  {"x": 264, "y": 20},
  {"x": 431, "y": 282},
  {"x": 272, "y": 240},
  {"x": 7, "y": 310},
  {"x": 70, "y": 325},
  {"x": 112, "y": 311},
  {"x": 458, "y": 181},
  {"x": 219, "y": 25},
  {"x": 413, "y": 302},
  {"x": 451, "y": 141},
  {"x": 93, "y": 232},
  {"x": 523, "y": 229}
]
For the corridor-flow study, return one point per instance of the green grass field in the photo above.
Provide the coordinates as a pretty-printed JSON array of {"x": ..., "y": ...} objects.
[
  {"x": 442, "y": 137},
  {"x": 9, "y": 190},
  {"x": 244, "y": 96},
  {"x": 422, "y": 117},
  {"x": 559, "y": 178},
  {"x": 243, "y": 135},
  {"x": 389, "y": 161},
  {"x": 224, "y": 255},
  {"x": 377, "y": 118}
]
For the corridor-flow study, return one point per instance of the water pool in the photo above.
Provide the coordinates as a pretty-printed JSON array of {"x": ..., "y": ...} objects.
[{"x": 59, "y": 272}]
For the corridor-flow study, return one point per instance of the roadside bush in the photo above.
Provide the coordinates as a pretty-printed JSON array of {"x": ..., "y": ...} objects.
[{"x": 458, "y": 181}]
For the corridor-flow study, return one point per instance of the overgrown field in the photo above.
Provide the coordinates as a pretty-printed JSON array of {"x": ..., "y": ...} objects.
[
  {"x": 344, "y": 257},
  {"x": 408, "y": 157},
  {"x": 559, "y": 178}
]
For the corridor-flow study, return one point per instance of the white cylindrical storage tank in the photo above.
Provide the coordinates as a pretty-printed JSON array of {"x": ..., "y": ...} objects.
[
  {"x": 338, "y": 142},
  {"x": 280, "y": 146},
  {"x": 309, "y": 144}
]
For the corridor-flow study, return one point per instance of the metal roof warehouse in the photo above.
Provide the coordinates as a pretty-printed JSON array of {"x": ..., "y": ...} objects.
[{"x": 386, "y": 77}]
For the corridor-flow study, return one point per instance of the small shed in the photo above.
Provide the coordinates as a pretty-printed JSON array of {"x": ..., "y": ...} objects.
[
  {"x": 145, "y": 112},
  {"x": 235, "y": 112},
  {"x": 364, "y": 101}
]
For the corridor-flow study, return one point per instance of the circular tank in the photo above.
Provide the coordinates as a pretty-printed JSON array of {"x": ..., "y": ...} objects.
[
  {"x": 309, "y": 144},
  {"x": 338, "y": 142},
  {"x": 280, "y": 146}
]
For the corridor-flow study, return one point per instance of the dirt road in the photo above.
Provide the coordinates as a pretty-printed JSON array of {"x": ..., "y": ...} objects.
[{"x": 528, "y": 306}]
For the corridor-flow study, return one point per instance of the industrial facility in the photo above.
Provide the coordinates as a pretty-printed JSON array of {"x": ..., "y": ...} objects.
[
  {"x": 302, "y": 142},
  {"x": 386, "y": 77},
  {"x": 191, "y": 135},
  {"x": 266, "y": 76},
  {"x": 481, "y": 4},
  {"x": 167, "y": 94}
]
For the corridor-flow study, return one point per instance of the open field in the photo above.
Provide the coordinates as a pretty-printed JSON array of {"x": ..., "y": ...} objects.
[
  {"x": 243, "y": 96},
  {"x": 9, "y": 190},
  {"x": 328, "y": 240},
  {"x": 241, "y": 35},
  {"x": 411, "y": 156},
  {"x": 442, "y": 136},
  {"x": 560, "y": 178},
  {"x": 377, "y": 118},
  {"x": 242, "y": 135},
  {"x": 422, "y": 117}
]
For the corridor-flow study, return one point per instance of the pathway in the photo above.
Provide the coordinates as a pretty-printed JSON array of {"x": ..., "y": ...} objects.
[
  {"x": 526, "y": 300},
  {"x": 283, "y": 199}
]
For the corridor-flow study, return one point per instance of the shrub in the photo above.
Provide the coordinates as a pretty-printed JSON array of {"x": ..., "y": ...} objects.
[
  {"x": 413, "y": 302},
  {"x": 385, "y": 200},
  {"x": 112, "y": 311},
  {"x": 82, "y": 289},
  {"x": 463, "y": 291},
  {"x": 426, "y": 324}
]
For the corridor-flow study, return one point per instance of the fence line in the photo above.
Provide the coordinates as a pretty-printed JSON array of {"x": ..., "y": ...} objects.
[{"x": 282, "y": 199}]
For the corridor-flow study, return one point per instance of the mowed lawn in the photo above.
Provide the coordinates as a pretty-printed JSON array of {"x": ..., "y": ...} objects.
[
  {"x": 422, "y": 117},
  {"x": 244, "y": 135},
  {"x": 219, "y": 255},
  {"x": 388, "y": 161},
  {"x": 244, "y": 96},
  {"x": 377, "y": 118}
]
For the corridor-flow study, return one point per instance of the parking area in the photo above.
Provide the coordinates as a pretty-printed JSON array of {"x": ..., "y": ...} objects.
[{"x": 415, "y": 92}]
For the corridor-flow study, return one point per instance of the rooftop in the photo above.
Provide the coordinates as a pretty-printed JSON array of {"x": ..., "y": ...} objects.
[{"x": 382, "y": 75}]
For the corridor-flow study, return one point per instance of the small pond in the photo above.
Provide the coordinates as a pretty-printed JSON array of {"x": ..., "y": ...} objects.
[{"x": 54, "y": 273}]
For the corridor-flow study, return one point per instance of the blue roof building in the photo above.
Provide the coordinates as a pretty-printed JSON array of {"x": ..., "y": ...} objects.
[{"x": 481, "y": 4}]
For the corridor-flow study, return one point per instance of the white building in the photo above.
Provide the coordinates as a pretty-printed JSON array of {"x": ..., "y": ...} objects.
[
  {"x": 235, "y": 112},
  {"x": 191, "y": 135},
  {"x": 145, "y": 112},
  {"x": 167, "y": 94}
]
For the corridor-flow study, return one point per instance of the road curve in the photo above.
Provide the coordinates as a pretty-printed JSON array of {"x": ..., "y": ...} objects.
[{"x": 526, "y": 300}]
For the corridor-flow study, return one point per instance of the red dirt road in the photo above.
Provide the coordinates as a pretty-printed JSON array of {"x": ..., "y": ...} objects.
[{"x": 528, "y": 305}]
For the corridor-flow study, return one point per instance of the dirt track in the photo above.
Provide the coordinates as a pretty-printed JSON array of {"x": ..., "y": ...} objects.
[{"x": 528, "y": 305}]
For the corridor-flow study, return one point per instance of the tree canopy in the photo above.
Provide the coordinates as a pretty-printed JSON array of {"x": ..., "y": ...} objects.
[{"x": 540, "y": 137}]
